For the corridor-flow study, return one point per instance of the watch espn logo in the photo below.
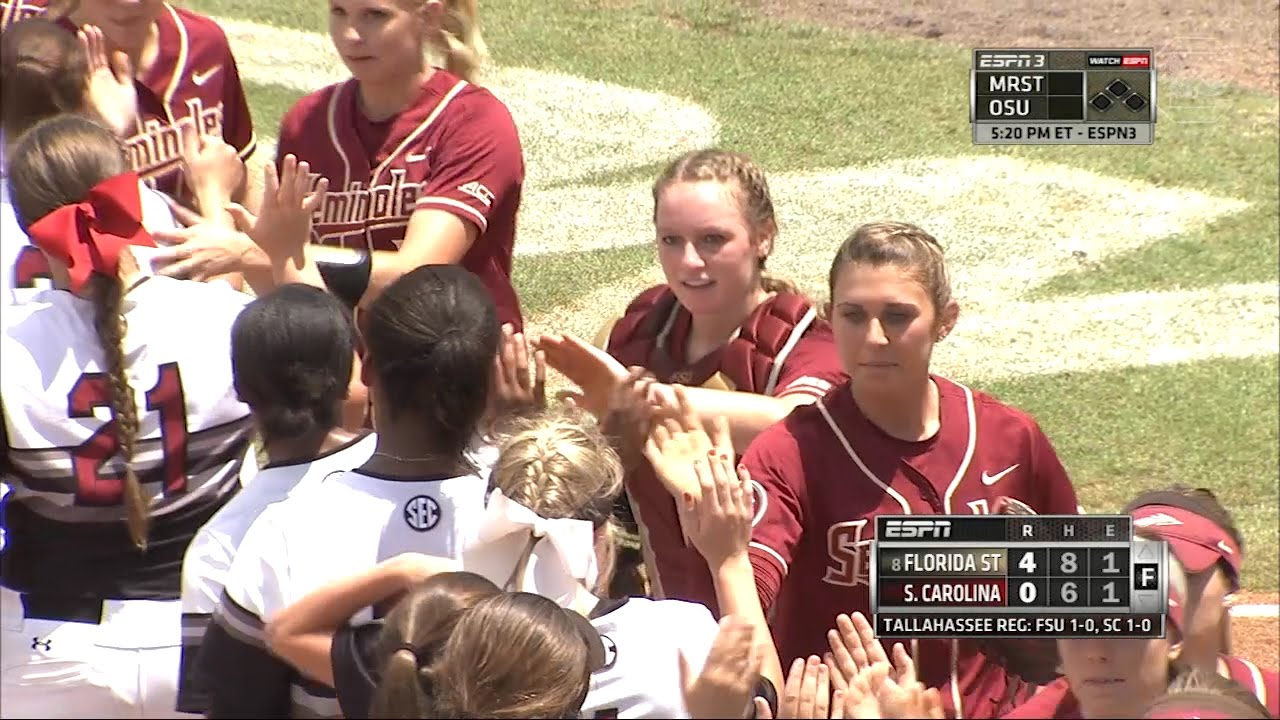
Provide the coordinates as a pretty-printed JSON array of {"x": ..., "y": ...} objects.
[
  {"x": 1126, "y": 61},
  {"x": 913, "y": 529}
]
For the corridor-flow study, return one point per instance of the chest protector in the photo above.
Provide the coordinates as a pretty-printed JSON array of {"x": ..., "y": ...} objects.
[{"x": 751, "y": 361}]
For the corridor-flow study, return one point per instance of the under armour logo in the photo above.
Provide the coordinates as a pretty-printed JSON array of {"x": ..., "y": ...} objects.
[
  {"x": 422, "y": 513},
  {"x": 38, "y": 644}
]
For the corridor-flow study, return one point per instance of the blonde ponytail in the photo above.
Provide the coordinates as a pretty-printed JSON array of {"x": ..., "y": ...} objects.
[{"x": 460, "y": 42}]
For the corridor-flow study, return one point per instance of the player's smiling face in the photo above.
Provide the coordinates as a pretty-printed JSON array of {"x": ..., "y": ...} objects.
[
  {"x": 705, "y": 247},
  {"x": 1113, "y": 678},
  {"x": 380, "y": 41},
  {"x": 125, "y": 23},
  {"x": 884, "y": 324}
]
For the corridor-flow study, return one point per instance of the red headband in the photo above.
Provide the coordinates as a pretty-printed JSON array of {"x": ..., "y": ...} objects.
[{"x": 88, "y": 236}]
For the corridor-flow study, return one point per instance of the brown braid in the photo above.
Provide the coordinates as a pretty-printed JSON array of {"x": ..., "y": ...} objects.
[{"x": 109, "y": 321}]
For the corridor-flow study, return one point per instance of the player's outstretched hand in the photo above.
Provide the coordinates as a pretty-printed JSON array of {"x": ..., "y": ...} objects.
[
  {"x": 593, "y": 370},
  {"x": 517, "y": 387},
  {"x": 724, "y": 687},
  {"x": 854, "y": 648},
  {"x": 719, "y": 521},
  {"x": 111, "y": 90},
  {"x": 213, "y": 171},
  {"x": 806, "y": 693},
  {"x": 283, "y": 227},
  {"x": 203, "y": 251},
  {"x": 677, "y": 439},
  {"x": 912, "y": 700},
  {"x": 629, "y": 415}
]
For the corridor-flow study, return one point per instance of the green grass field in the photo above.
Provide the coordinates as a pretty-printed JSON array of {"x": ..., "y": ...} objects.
[{"x": 1125, "y": 296}]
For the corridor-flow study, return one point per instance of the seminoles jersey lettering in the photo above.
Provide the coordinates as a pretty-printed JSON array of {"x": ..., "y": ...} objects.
[
  {"x": 64, "y": 455},
  {"x": 12, "y": 11},
  {"x": 368, "y": 204},
  {"x": 193, "y": 86},
  {"x": 358, "y": 210},
  {"x": 156, "y": 149}
]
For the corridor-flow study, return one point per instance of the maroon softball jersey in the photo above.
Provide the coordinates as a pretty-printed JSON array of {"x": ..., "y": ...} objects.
[
  {"x": 454, "y": 149},
  {"x": 193, "y": 86},
  {"x": 822, "y": 476}
]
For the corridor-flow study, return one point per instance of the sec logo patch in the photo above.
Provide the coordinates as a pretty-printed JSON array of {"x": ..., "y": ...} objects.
[{"x": 422, "y": 513}]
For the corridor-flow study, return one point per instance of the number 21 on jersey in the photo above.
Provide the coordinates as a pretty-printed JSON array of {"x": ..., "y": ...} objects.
[{"x": 93, "y": 390}]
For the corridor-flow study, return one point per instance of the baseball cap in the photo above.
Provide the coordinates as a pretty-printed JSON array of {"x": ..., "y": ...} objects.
[{"x": 1195, "y": 540}]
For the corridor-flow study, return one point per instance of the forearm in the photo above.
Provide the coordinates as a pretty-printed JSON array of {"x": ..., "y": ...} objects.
[
  {"x": 385, "y": 267},
  {"x": 736, "y": 593},
  {"x": 329, "y": 607},
  {"x": 212, "y": 201},
  {"x": 302, "y": 633},
  {"x": 748, "y": 413}
]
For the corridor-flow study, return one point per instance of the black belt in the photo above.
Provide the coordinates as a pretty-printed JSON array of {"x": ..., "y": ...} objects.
[{"x": 63, "y": 609}]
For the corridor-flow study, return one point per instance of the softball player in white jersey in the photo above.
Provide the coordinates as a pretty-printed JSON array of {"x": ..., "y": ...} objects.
[
  {"x": 292, "y": 352},
  {"x": 558, "y": 465},
  {"x": 431, "y": 340},
  {"x": 123, "y": 436}
]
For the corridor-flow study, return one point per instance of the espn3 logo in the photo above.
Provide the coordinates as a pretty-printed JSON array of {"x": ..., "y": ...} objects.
[
  {"x": 912, "y": 529},
  {"x": 1013, "y": 60}
]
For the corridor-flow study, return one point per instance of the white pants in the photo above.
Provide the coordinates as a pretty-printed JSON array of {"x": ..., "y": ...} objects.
[{"x": 126, "y": 667}]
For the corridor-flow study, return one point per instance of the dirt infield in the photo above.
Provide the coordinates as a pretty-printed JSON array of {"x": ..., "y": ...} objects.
[
  {"x": 1235, "y": 42},
  {"x": 1256, "y": 638}
]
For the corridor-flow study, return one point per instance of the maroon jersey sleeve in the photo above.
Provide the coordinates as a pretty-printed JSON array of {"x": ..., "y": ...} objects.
[
  {"x": 813, "y": 367},
  {"x": 479, "y": 162},
  {"x": 1058, "y": 495},
  {"x": 237, "y": 122},
  {"x": 302, "y": 129},
  {"x": 778, "y": 484}
]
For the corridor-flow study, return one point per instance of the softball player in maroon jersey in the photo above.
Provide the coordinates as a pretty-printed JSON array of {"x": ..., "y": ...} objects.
[
  {"x": 186, "y": 76},
  {"x": 895, "y": 439},
  {"x": 750, "y": 347},
  {"x": 424, "y": 166}
]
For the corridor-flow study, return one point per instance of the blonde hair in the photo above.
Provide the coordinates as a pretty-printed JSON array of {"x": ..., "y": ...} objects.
[
  {"x": 559, "y": 466},
  {"x": 751, "y": 191},
  {"x": 460, "y": 44},
  {"x": 56, "y": 163},
  {"x": 902, "y": 245}
]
